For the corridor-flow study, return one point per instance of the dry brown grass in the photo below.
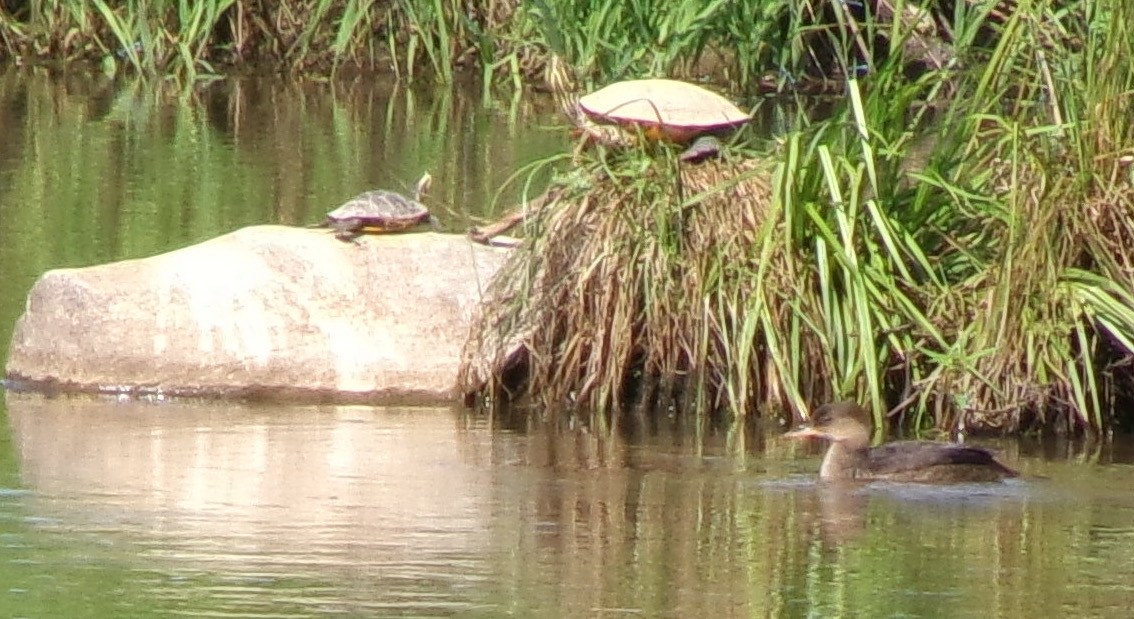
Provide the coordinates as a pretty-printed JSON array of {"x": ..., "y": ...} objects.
[{"x": 627, "y": 292}]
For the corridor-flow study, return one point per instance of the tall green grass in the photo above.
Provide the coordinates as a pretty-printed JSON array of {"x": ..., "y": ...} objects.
[
  {"x": 776, "y": 42},
  {"x": 645, "y": 37},
  {"x": 962, "y": 285},
  {"x": 948, "y": 247}
]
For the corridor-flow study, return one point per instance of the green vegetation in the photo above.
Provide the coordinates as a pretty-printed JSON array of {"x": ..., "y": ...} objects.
[
  {"x": 949, "y": 245},
  {"x": 193, "y": 39},
  {"x": 765, "y": 43}
]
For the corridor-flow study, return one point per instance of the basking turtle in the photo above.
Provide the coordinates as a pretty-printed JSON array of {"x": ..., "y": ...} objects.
[
  {"x": 660, "y": 109},
  {"x": 380, "y": 211}
]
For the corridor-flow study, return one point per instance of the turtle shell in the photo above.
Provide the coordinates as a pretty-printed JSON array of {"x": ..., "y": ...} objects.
[
  {"x": 679, "y": 110},
  {"x": 376, "y": 211}
]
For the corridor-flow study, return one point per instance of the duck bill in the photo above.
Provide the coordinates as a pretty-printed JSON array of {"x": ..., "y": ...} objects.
[{"x": 804, "y": 432}]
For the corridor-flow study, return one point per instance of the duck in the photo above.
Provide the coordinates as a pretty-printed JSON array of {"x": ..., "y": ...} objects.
[{"x": 850, "y": 456}]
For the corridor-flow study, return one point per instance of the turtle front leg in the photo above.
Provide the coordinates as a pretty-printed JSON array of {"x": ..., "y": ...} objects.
[
  {"x": 347, "y": 230},
  {"x": 701, "y": 149},
  {"x": 606, "y": 135}
]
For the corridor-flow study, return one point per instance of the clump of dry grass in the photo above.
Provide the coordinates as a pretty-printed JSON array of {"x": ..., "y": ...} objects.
[{"x": 628, "y": 291}]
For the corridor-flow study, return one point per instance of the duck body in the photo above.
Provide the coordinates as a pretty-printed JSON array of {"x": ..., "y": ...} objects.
[{"x": 850, "y": 456}]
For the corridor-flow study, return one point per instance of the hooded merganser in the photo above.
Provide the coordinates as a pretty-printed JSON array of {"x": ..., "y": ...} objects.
[{"x": 850, "y": 455}]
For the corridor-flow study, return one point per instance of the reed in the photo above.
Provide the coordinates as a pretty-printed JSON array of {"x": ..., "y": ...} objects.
[
  {"x": 778, "y": 45},
  {"x": 947, "y": 248}
]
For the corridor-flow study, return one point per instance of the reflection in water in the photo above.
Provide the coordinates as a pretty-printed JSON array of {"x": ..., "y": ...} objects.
[
  {"x": 267, "y": 495},
  {"x": 153, "y": 509},
  {"x": 150, "y": 158},
  {"x": 842, "y": 512}
]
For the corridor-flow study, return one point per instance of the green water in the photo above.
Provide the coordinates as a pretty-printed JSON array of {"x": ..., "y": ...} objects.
[
  {"x": 155, "y": 509},
  {"x": 116, "y": 509}
]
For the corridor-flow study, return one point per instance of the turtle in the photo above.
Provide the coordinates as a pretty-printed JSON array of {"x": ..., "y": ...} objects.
[
  {"x": 661, "y": 109},
  {"x": 380, "y": 211}
]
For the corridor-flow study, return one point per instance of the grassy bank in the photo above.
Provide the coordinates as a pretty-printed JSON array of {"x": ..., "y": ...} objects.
[
  {"x": 950, "y": 247},
  {"x": 771, "y": 43}
]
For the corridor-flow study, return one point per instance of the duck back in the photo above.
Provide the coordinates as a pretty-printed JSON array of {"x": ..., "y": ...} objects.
[{"x": 926, "y": 461}]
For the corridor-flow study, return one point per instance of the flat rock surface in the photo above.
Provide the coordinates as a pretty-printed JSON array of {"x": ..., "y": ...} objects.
[{"x": 264, "y": 311}]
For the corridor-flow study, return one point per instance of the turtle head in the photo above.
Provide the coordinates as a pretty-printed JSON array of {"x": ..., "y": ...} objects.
[
  {"x": 422, "y": 186},
  {"x": 564, "y": 86},
  {"x": 560, "y": 76}
]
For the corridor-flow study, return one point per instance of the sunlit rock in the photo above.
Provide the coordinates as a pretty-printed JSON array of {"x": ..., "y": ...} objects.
[{"x": 265, "y": 311}]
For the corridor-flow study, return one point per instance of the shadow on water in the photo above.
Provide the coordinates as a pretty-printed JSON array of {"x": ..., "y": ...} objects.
[{"x": 145, "y": 509}]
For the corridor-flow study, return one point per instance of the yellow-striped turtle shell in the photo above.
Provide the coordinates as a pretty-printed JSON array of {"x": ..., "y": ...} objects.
[{"x": 379, "y": 211}]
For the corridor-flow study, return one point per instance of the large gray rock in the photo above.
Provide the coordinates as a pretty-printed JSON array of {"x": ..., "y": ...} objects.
[{"x": 264, "y": 311}]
